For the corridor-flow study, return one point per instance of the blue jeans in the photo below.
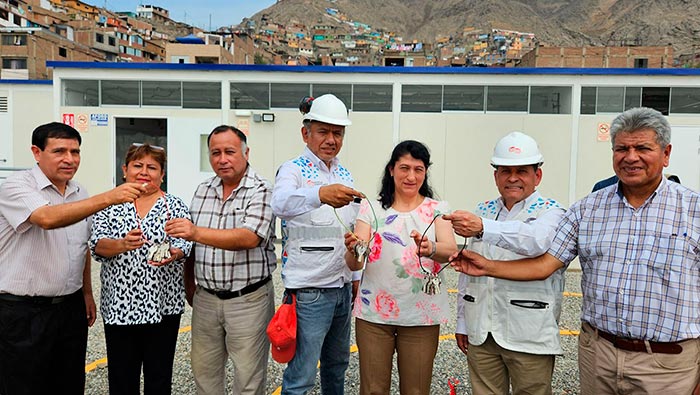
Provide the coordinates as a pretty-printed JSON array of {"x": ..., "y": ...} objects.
[{"x": 323, "y": 334}]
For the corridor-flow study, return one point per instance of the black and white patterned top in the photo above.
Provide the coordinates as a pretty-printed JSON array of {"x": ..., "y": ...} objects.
[{"x": 133, "y": 291}]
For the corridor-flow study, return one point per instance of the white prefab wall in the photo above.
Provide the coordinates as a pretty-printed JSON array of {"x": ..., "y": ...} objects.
[{"x": 461, "y": 142}]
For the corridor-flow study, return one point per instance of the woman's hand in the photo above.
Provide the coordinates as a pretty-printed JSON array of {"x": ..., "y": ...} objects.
[
  {"x": 350, "y": 241},
  {"x": 133, "y": 240},
  {"x": 425, "y": 247},
  {"x": 175, "y": 254}
]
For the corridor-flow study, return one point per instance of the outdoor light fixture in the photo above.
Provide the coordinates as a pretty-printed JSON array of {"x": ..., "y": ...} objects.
[{"x": 268, "y": 117}]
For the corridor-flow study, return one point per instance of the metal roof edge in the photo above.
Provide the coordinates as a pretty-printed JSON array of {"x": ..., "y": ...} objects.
[
  {"x": 27, "y": 82},
  {"x": 374, "y": 69}
]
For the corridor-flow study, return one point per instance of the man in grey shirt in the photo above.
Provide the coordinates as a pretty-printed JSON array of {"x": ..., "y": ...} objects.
[{"x": 46, "y": 302}]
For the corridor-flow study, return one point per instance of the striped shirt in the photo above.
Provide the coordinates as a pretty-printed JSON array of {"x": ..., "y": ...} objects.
[
  {"x": 35, "y": 261},
  {"x": 247, "y": 207},
  {"x": 641, "y": 267}
]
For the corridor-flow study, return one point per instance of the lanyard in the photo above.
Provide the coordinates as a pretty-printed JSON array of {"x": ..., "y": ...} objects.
[{"x": 138, "y": 218}]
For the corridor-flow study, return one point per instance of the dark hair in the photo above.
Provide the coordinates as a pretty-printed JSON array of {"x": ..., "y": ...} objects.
[
  {"x": 138, "y": 151},
  {"x": 54, "y": 130},
  {"x": 226, "y": 128},
  {"x": 418, "y": 151}
]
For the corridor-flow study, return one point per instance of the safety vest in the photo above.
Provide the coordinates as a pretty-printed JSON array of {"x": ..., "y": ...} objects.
[
  {"x": 521, "y": 316},
  {"x": 313, "y": 248}
]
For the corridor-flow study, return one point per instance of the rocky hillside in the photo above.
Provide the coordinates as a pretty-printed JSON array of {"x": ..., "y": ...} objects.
[{"x": 554, "y": 22}]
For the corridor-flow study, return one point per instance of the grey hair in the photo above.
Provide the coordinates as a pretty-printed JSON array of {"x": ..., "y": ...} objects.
[{"x": 641, "y": 118}]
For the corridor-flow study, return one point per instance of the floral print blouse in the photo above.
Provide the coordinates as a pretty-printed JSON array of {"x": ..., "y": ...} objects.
[
  {"x": 391, "y": 288},
  {"x": 134, "y": 291}
]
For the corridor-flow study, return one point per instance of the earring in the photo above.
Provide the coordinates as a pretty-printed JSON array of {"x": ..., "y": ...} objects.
[{"x": 123, "y": 178}]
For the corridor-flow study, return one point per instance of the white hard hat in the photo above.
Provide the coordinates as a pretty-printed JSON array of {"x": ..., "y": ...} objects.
[
  {"x": 328, "y": 109},
  {"x": 516, "y": 149}
]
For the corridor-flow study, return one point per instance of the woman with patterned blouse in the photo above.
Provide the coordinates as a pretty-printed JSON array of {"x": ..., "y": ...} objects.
[
  {"x": 142, "y": 294},
  {"x": 394, "y": 310}
]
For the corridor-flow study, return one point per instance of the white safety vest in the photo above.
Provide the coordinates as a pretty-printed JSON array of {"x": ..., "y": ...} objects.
[
  {"x": 313, "y": 248},
  {"x": 521, "y": 316}
]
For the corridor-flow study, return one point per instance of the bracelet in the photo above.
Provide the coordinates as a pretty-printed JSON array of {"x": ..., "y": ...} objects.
[{"x": 432, "y": 254}]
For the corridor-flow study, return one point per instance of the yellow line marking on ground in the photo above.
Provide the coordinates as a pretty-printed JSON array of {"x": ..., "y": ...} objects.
[{"x": 92, "y": 366}]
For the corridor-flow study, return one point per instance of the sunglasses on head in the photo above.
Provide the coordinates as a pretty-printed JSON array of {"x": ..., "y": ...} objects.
[{"x": 155, "y": 147}]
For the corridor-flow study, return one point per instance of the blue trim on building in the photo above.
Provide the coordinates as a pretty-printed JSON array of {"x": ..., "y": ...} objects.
[
  {"x": 372, "y": 69},
  {"x": 27, "y": 82}
]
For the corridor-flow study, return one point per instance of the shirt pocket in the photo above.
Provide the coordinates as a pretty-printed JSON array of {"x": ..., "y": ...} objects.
[{"x": 234, "y": 219}]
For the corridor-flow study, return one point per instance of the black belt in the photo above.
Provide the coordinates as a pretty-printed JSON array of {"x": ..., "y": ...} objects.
[
  {"x": 243, "y": 291},
  {"x": 37, "y": 299}
]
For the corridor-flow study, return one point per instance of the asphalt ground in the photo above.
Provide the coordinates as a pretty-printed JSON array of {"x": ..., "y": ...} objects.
[{"x": 450, "y": 363}]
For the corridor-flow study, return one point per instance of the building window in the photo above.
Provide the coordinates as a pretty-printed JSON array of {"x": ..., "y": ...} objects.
[
  {"x": 62, "y": 52},
  {"x": 161, "y": 93},
  {"x": 372, "y": 98},
  {"x": 341, "y": 91},
  {"x": 588, "y": 96},
  {"x": 14, "y": 39},
  {"x": 550, "y": 100},
  {"x": 201, "y": 95},
  {"x": 421, "y": 98},
  {"x": 14, "y": 63},
  {"x": 288, "y": 95},
  {"x": 100, "y": 38},
  {"x": 633, "y": 97},
  {"x": 506, "y": 98},
  {"x": 463, "y": 98},
  {"x": 80, "y": 93},
  {"x": 685, "y": 100},
  {"x": 610, "y": 99},
  {"x": 641, "y": 63},
  {"x": 250, "y": 96},
  {"x": 125, "y": 93},
  {"x": 657, "y": 98},
  {"x": 112, "y": 41}
]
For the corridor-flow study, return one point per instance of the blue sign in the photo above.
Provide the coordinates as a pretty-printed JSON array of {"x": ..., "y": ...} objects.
[{"x": 99, "y": 119}]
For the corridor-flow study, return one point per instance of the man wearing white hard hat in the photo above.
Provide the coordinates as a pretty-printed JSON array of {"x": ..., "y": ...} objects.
[
  {"x": 313, "y": 196},
  {"x": 508, "y": 329}
]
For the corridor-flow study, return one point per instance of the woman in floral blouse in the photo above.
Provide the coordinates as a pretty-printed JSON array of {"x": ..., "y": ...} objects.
[
  {"x": 394, "y": 313},
  {"x": 142, "y": 294}
]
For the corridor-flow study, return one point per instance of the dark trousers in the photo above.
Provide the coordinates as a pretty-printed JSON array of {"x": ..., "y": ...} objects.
[
  {"x": 129, "y": 347},
  {"x": 42, "y": 346}
]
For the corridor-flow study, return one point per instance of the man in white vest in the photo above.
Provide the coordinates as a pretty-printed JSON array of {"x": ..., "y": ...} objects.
[
  {"x": 509, "y": 329},
  {"x": 313, "y": 197}
]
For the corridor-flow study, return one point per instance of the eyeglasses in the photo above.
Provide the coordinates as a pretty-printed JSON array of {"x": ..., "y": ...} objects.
[{"x": 155, "y": 147}]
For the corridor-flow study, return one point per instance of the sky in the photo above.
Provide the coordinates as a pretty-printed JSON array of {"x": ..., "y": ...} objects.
[{"x": 196, "y": 12}]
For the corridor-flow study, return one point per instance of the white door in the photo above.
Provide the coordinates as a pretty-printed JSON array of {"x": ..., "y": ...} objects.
[{"x": 685, "y": 155}]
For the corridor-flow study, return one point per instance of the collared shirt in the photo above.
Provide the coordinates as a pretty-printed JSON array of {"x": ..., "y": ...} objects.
[
  {"x": 35, "y": 261},
  {"x": 134, "y": 291},
  {"x": 530, "y": 238},
  {"x": 295, "y": 198},
  {"x": 248, "y": 207},
  {"x": 641, "y": 267}
]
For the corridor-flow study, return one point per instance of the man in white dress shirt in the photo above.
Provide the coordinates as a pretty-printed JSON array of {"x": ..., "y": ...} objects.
[
  {"x": 46, "y": 302},
  {"x": 509, "y": 329}
]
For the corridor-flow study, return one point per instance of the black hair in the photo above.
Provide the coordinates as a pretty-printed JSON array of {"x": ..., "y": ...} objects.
[
  {"x": 418, "y": 151},
  {"x": 54, "y": 130},
  {"x": 226, "y": 128}
]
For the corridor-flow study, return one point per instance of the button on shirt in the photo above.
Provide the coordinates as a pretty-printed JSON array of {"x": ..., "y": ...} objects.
[
  {"x": 35, "y": 261},
  {"x": 641, "y": 267},
  {"x": 248, "y": 207}
]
